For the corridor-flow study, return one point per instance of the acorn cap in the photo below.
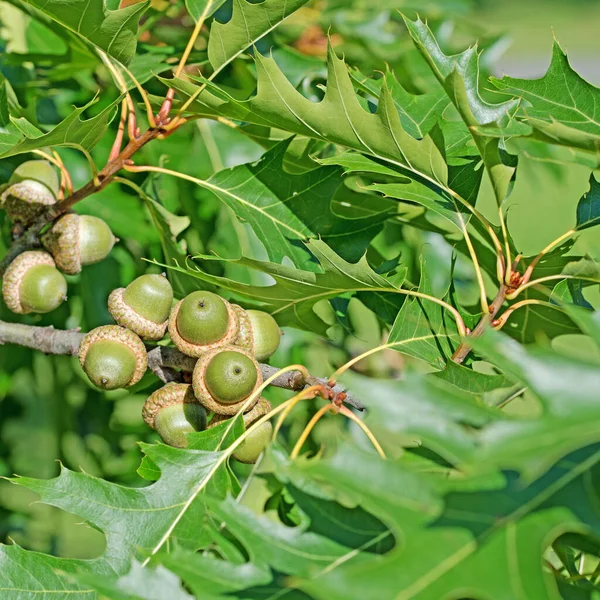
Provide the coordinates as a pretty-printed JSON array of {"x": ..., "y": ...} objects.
[
  {"x": 245, "y": 339},
  {"x": 201, "y": 390},
  {"x": 126, "y": 316},
  {"x": 198, "y": 350},
  {"x": 37, "y": 170},
  {"x": 76, "y": 240},
  {"x": 260, "y": 409},
  {"x": 25, "y": 200},
  {"x": 15, "y": 275},
  {"x": 168, "y": 395},
  {"x": 114, "y": 333},
  {"x": 62, "y": 240},
  {"x": 252, "y": 447}
]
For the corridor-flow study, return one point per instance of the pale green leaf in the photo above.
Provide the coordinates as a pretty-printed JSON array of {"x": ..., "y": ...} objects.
[
  {"x": 73, "y": 132},
  {"x": 114, "y": 31},
  {"x": 339, "y": 118},
  {"x": 562, "y": 107}
]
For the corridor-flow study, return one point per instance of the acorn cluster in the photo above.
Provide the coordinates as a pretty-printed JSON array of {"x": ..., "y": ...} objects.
[
  {"x": 227, "y": 340},
  {"x": 33, "y": 282}
]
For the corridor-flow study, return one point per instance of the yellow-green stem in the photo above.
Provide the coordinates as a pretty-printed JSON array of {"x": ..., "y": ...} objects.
[
  {"x": 541, "y": 280},
  {"x": 348, "y": 413},
  {"x": 308, "y": 429},
  {"x": 565, "y": 236}
]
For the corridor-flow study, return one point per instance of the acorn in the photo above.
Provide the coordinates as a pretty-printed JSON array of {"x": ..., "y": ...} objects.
[
  {"x": 201, "y": 322},
  {"x": 174, "y": 411},
  {"x": 32, "y": 187},
  {"x": 143, "y": 306},
  {"x": 260, "y": 409},
  {"x": 258, "y": 333},
  {"x": 224, "y": 378},
  {"x": 252, "y": 447},
  {"x": 77, "y": 240},
  {"x": 113, "y": 357},
  {"x": 32, "y": 284},
  {"x": 37, "y": 170}
]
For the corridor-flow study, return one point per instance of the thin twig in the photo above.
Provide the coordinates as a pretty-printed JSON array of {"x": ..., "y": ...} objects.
[
  {"x": 168, "y": 103},
  {"x": 464, "y": 349},
  {"x": 165, "y": 362}
]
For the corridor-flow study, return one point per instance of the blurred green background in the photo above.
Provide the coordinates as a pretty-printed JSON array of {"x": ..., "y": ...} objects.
[{"x": 48, "y": 410}]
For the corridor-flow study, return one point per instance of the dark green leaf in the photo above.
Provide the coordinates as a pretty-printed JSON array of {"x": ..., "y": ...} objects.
[{"x": 588, "y": 209}]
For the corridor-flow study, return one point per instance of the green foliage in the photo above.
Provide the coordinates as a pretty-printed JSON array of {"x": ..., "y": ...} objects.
[
  {"x": 561, "y": 106},
  {"x": 348, "y": 171},
  {"x": 21, "y": 136},
  {"x": 114, "y": 31}
]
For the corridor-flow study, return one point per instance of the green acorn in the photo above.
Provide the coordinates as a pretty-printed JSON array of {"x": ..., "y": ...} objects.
[
  {"x": 258, "y": 333},
  {"x": 37, "y": 170},
  {"x": 113, "y": 357},
  {"x": 201, "y": 322},
  {"x": 252, "y": 447},
  {"x": 32, "y": 188},
  {"x": 174, "y": 411},
  {"x": 32, "y": 284},
  {"x": 224, "y": 378},
  {"x": 77, "y": 240},
  {"x": 143, "y": 306}
]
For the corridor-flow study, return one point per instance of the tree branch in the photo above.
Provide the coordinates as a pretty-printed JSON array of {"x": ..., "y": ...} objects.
[
  {"x": 30, "y": 238},
  {"x": 165, "y": 362}
]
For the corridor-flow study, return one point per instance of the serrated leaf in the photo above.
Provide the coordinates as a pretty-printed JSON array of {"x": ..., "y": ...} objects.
[
  {"x": 534, "y": 322},
  {"x": 418, "y": 112},
  {"x": 339, "y": 118},
  {"x": 133, "y": 520},
  {"x": 293, "y": 296},
  {"x": 169, "y": 227},
  {"x": 459, "y": 76},
  {"x": 563, "y": 108},
  {"x": 285, "y": 549},
  {"x": 207, "y": 576},
  {"x": 249, "y": 22},
  {"x": 114, "y": 31},
  {"x": 73, "y": 132}
]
